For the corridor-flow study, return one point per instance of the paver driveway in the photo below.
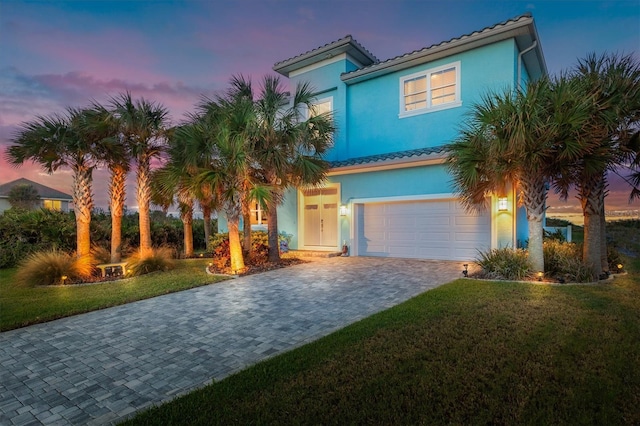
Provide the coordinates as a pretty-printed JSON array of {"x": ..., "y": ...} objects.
[{"x": 102, "y": 366}]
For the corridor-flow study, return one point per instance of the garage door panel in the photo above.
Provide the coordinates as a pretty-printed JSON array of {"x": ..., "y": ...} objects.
[
  {"x": 421, "y": 229},
  {"x": 401, "y": 236}
]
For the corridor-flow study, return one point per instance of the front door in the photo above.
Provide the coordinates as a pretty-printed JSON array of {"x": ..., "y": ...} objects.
[{"x": 321, "y": 217}]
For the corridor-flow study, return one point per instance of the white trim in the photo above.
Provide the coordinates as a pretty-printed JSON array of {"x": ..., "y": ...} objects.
[
  {"x": 317, "y": 65},
  {"x": 300, "y": 209},
  {"x": 399, "y": 198},
  {"x": 427, "y": 74},
  {"x": 400, "y": 163}
]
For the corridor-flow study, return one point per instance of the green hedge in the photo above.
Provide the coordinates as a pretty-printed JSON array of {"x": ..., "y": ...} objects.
[{"x": 25, "y": 232}]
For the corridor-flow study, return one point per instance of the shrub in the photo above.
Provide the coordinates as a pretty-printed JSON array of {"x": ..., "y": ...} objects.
[
  {"x": 25, "y": 232},
  {"x": 161, "y": 259},
  {"x": 504, "y": 264},
  {"x": 563, "y": 261},
  {"x": 222, "y": 255},
  {"x": 52, "y": 267}
]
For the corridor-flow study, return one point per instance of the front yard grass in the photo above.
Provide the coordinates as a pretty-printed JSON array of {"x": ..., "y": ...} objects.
[
  {"x": 21, "y": 306},
  {"x": 469, "y": 352}
]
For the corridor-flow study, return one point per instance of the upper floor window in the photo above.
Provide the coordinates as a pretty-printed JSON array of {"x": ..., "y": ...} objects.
[
  {"x": 321, "y": 106},
  {"x": 431, "y": 90}
]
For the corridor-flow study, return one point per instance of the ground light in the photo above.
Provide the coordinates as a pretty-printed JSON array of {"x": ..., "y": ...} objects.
[
  {"x": 540, "y": 275},
  {"x": 465, "y": 271},
  {"x": 63, "y": 279}
]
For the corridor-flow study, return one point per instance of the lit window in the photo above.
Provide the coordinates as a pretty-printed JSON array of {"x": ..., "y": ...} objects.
[
  {"x": 52, "y": 204},
  {"x": 322, "y": 106},
  {"x": 258, "y": 216},
  {"x": 430, "y": 90}
]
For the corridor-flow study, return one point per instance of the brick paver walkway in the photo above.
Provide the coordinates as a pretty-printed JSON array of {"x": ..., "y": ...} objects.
[{"x": 103, "y": 366}]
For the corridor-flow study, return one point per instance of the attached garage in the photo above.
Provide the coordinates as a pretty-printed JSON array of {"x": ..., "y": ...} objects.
[{"x": 434, "y": 229}]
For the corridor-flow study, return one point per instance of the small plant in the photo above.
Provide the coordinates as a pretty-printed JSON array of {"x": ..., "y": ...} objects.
[
  {"x": 161, "y": 259},
  {"x": 52, "y": 267},
  {"x": 100, "y": 254},
  {"x": 563, "y": 261},
  {"x": 504, "y": 264}
]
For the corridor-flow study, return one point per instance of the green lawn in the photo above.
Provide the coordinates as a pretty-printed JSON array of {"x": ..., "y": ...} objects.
[
  {"x": 20, "y": 306},
  {"x": 469, "y": 352}
]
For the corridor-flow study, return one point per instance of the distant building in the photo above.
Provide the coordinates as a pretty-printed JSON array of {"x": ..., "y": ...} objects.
[{"x": 49, "y": 198}]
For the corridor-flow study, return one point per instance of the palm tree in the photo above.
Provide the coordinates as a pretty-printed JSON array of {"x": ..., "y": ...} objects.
[
  {"x": 515, "y": 137},
  {"x": 289, "y": 144},
  {"x": 68, "y": 140},
  {"x": 176, "y": 180},
  {"x": 612, "y": 83},
  {"x": 114, "y": 152},
  {"x": 142, "y": 126},
  {"x": 224, "y": 168}
]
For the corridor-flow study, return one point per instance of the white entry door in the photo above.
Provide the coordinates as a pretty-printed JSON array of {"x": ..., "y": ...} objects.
[{"x": 320, "y": 217}]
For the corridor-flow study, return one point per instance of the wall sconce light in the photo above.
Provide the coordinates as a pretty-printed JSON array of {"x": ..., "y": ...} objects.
[
  {"x": 540, "y": 275},
  {"x": 465, "y": 271},
  {"x": 343, "y": 210},
  {"x": 502, "y": 204}
]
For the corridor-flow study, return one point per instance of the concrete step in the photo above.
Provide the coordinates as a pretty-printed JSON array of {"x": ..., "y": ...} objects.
[{"x": 312, "y": 253}]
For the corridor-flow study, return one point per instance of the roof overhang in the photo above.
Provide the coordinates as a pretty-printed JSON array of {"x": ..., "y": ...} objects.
[
  {"x": 345, "y": 45},
  {"x": 399, "y": 160}
]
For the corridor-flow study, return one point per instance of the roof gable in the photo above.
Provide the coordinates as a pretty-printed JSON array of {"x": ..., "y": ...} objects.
[
  {"x": 346, "y": 45},
  {"x": 44, "y": 191}
]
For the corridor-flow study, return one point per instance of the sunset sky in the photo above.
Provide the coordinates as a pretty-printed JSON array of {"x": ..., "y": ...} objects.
[{"x": 55, "y": 54}]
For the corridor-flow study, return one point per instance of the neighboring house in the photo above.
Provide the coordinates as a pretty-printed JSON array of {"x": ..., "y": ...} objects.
[
  {"x": 388, "y": 192},
  {"x": 49, "y": 198}
]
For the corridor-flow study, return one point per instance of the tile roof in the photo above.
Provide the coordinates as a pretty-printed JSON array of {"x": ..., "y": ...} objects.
[
  {"x": 43, "y": 191},
  {"x": 346, "y": 39},
  {"x": 388, "y": 156},
  {"x": 525, "y": 19}
]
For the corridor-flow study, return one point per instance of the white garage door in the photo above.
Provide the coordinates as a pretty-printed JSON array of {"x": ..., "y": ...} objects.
[{"x": 440, "y": 230}]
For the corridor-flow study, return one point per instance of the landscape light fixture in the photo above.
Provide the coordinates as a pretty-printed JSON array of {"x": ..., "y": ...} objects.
[
  {"x": 465, "y": 271},
  {"x": 620, "y": 267},
  {"x": 64, "y": 278},
  {"x": 343, "y": 210},
  {"x": 540, "y": 275},
  {"x": 502, "y": 204}
]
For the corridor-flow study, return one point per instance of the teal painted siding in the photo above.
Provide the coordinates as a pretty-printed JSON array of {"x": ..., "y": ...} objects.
[
  {"x": 288, "y": 217},
  {"x": 326, "y": 81},
  {"x": 390, "y": 183},
  {"x": 373, "y": 125}
]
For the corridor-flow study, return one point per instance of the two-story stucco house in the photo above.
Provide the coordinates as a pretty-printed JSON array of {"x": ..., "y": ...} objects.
[{"x": 388, "y": 192}]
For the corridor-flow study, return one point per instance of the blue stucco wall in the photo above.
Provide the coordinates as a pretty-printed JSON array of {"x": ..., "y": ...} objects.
[
  {"x": 373, "y": 125},
  {"x": 399, "y": 182},
  {"x": 326, "y": 81}
]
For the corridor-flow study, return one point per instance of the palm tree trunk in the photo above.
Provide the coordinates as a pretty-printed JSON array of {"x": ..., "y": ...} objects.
[
  {"x": 206, "y": 213},
  {"x": 235, "y": 249},
  {"x": 83, "y": 203},
  {"x": 186, "y": 215},
  {"x": 272, "y": 215},
  {"x": 604, "y": 257},
  {"x": 144, "y": 199},
  {"x": 591, "y": 195},
  {"x": 534, "y": 199},
  {"x": 246, "y": 229},
  {"x": 117, "y": 193}
]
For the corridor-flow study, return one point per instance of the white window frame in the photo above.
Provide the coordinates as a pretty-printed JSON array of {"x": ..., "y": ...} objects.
[
  {"x": 430, "y": 108},
  {"x": 328, "y": 99}
]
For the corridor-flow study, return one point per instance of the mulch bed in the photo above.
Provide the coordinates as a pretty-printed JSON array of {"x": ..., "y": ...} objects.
[{"x": 256, "y": 268}]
